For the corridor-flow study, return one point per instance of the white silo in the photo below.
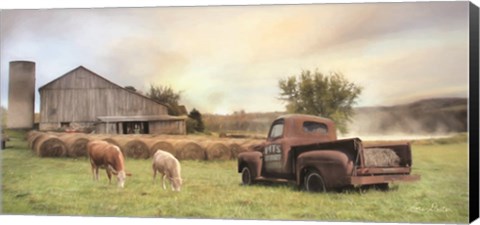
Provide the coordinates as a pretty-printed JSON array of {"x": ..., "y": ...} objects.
[{"x": 21, "y": 95}]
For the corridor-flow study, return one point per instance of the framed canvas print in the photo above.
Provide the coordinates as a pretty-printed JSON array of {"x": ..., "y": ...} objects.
[{"x": 259, "y": 112}]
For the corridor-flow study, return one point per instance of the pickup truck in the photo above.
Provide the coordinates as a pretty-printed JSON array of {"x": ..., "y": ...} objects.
[{"x": 304, "y": 149}]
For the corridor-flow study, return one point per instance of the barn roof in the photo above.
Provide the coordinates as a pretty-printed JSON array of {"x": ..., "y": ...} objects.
[
  {"x": 103, "y": 78},
  {"x": 140, "y": 118}
]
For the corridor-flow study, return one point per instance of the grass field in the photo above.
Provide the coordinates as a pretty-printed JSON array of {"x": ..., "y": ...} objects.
[{"x": 64, "y": 186}]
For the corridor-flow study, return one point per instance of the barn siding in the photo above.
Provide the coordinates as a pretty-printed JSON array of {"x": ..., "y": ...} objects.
[
  {"x": 155, "y": 127},
  {"x": 167, "y": 127},
  {"x": 82, "y": 96},
  {"x": 86, "y": 105},
  {"x": 55, "y": 126}
]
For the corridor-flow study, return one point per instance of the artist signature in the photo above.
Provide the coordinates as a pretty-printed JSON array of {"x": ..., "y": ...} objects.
[{"x": 432, "y": 208}]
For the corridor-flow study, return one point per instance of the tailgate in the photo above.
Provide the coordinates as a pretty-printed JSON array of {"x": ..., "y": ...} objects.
[
  {"x": 385, "y": 159},
  {"x": 384, "y": 162}
]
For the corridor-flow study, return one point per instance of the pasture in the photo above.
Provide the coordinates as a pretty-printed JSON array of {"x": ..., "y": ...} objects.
[{"x": 64, "y": 186}]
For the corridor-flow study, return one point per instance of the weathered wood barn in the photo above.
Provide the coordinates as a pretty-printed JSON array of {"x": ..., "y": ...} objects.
[{"x": 82, "y": 98}]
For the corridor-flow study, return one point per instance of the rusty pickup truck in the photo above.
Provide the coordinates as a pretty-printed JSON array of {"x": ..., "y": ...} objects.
[{"x": 304, "y": 150}]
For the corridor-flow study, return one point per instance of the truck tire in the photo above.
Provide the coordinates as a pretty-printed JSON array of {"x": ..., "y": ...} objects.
[
  {"x": 247, "y": 178},
  {"x": 314, "y": 182}
]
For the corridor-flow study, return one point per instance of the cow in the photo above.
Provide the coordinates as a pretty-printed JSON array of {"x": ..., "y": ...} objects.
[
  {"x": 109, "y": 157},
  {"x": 166, "y": 164}
]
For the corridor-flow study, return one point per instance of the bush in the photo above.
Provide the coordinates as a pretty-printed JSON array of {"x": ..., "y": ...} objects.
[{"x": 191, "y": 124}]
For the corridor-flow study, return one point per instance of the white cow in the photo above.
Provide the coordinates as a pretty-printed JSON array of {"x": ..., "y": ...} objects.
[{"x": 166, "y": 164}]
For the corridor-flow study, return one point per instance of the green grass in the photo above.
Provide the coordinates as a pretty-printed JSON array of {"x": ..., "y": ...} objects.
[{"x": 64, "y": 186}]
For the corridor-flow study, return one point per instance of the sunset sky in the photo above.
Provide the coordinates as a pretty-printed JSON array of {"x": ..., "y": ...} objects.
[{"x": 229, "y": 58}]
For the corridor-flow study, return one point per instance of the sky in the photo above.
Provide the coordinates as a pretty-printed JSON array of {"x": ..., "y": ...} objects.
[{"x": 229, "y": 58}]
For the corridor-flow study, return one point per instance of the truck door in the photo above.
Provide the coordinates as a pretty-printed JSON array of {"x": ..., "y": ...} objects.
[{"x": 272, "y": 154}]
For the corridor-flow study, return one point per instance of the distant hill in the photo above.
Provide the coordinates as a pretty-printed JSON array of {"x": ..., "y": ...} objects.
[
  {"x": 429, "y": 116},
  {"x": 240, "y": 122},
  {"x": 424, "y": 117}
]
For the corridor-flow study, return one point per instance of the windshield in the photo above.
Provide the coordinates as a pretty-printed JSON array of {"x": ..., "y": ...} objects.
[{"x": 277, "y": 130}]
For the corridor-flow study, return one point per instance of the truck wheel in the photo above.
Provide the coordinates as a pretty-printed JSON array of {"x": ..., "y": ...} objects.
[
  {"x": 314, "y": 182},
  {"x": 247, "y": 176}
]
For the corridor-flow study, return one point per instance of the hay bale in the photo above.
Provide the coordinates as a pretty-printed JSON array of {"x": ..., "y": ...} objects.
[
  {"x": 188, "y": 150},
  {"x": 164, "y": 144},
  {"x": 76, "y": 144},
  {"x": 216, "y": 150},
  {"x": 236, "y": 148},
  {"x": 56, "y": 134},
  {"x": 50, "y": 146},
  {"x": 98, "y": 137},
  {"x": 33, "y": 138},
  {"x": 133, "y": 146},
  {"x": 136, "y": 149},
  {"x": 115, "y": 142},
  {"x": 31, "y": 134},
  {"x": 380, "y": 157},
  {"x": 252, "y": 144}
]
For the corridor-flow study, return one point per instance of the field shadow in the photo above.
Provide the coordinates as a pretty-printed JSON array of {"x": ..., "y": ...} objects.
[
  {"x": 345, "y": 190},
  {"x": 368, "y": 188},
  {"x": 274, "y": 185}
]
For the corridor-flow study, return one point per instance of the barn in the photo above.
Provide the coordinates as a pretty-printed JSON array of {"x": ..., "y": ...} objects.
[{"x": 84, "y": 100}]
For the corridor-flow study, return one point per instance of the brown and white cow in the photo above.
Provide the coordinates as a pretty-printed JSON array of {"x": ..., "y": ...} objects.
[
  {"x": 169, "y": 167},
  {"x": 109, "y": 157}
]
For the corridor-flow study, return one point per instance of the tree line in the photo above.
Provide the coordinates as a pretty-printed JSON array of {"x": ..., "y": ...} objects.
[{"x": 331, "y": 96}]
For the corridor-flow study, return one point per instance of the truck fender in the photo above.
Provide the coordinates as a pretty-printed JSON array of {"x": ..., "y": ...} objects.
[
  {"x": 251, "y": 159},
  {"x": 335, "y": 167}
]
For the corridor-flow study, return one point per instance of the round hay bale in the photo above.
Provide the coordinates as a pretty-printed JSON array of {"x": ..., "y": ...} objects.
[
  {"x": 76, "y": 144},
  {"x": 188, "y": 150},
  {"x": 251, "y": 145},
  {"x": 31, "y": 134},
  {"x": 56, "y": 134},
  {"x": 98, "y": 137},
  {"x": 113, "y": 141},
  {"x": 34, "y": 140},
  {"x": 216, "y": 150},
  {"x": 122, "y": 140},
  {"x": 380, "y": 157},
  {"x": 50, "y": 146},
  {"x": 164, "y": 145},
  {"x": 33, "y": 137},
  {"x": 236, "y": 148},
  {"x": 136, "y": 149}
]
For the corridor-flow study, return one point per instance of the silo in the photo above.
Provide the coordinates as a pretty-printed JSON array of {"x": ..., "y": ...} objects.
[{"x": 21, "y": 94}]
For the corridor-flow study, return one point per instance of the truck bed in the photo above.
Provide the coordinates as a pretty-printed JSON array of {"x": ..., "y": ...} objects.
[{"x": 365, "y": 171}]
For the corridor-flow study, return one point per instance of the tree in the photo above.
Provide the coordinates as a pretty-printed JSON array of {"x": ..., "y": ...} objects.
[
  {"x": 197, "y": 117},
  {"x": 240, "y": 120},
  {"x": 317, "y": 94},
  {"x": 131, "y": 88},
  {"x": 166, "y": 95},
  {"x": 191, "y": 124}
]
